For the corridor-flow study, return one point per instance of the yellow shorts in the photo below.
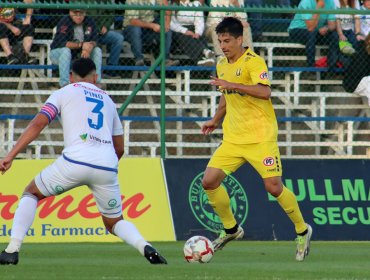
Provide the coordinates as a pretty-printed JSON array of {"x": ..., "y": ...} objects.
[{"x": 264, "y": 157}]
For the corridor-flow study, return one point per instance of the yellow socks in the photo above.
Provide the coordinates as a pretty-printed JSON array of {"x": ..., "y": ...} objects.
[
  {"x": 288, "y": 202},
  {"x": 220, "y": 201}
]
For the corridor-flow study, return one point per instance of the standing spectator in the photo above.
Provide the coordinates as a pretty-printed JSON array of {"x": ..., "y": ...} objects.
[
  {"x": 215, "y": 18},
  {"x": 76, "y": 35},
  {"x": 357, "y": 75},
  {"x": 89, "y": 160},
  {"x": 114, "y": 40},
  {"x": 347, "y": 26},
  {"x": 11, "y": 31},
  {"x": 188, "y": 27},
  {"x": 313, "y": 29},
  {"x": 142, "y": 28},
  {"x": 364, "y": 21}
]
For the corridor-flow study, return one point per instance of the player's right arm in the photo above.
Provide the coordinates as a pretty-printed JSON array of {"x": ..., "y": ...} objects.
[
  {"x": 209, "y": 126},
  {"x": 29, "y": 134}
]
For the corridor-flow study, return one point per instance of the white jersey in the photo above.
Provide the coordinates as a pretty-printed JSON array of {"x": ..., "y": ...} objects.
[{"x": 89, "y": 119}]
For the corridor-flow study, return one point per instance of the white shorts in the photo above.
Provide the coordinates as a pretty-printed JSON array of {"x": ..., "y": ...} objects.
[
  {"x": 363, "y": 88},
  {"x": 62, "y": 176}
]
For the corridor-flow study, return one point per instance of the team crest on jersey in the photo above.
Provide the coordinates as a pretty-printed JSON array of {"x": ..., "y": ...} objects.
[
  {"x": 268, "y": 161},
  {"x": 264, "y": 75},
  {"x": 238, "y": 72}
]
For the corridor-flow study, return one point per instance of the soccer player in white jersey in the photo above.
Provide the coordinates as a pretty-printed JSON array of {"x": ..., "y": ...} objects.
[{"x": 93, "y": 139}]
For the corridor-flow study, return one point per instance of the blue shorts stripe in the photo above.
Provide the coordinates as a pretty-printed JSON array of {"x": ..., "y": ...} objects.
[{"x": 90, "y": 165}]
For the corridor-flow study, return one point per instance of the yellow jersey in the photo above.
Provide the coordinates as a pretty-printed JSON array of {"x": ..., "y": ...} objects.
[{"x": 248, "y": 119}]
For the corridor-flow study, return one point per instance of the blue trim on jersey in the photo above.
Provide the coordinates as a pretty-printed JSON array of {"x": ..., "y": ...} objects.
[{"x": 90, "y": 165}]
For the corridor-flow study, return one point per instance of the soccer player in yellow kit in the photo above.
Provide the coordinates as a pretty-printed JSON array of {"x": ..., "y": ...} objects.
[{"x": 250, "y": 135}]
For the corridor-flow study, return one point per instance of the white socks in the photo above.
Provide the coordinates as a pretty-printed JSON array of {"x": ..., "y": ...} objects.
[
  {"x": 23, "y": 219},
  {"x": 129, "y": 233}
]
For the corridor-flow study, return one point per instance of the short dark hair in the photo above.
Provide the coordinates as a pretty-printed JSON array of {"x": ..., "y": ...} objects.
[
  {"x": 230, "y": 25},
  {"x": 83, "y": 67}
]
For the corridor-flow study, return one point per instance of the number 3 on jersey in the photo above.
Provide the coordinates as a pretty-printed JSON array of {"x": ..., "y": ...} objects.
[{"x": 98, "y": 115}]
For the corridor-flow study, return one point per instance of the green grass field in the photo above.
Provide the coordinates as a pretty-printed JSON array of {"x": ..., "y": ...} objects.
[{"x": 239, "y": 260}]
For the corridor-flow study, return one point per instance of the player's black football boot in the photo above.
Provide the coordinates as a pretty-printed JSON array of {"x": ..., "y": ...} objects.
[
  {"x": 153, "y": 256},
  {"x": 8, "y": 258}
]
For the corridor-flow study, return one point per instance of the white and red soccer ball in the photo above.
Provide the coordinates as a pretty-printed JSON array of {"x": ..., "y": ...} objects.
[{"x": 198, "y": 249}]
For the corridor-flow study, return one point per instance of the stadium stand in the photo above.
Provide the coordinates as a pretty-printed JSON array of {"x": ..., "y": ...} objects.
[{"x": 316, "y": 117}]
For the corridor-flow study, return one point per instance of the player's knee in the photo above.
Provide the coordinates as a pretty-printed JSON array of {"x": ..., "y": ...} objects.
[
  {"x": 274, "y": 187},
  {"x": 32, "y": 190},
  {"x": 208, "y": 184},
  {"x": 109, "y": 223}
]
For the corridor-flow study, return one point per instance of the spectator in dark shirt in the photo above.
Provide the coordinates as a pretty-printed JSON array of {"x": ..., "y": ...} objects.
[
  {"x": 12, "y": 31},
  {"x": 357, "y": 75},
  {"x": 76, "y": 36}
]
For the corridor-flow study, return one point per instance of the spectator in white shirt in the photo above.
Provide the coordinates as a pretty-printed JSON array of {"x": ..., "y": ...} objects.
[
  {"x": 365, "y": 22},
  {"x": 188, "y": 29},
  {"x": 348, "y": 25},
  {"x": 215, "y": 17}
]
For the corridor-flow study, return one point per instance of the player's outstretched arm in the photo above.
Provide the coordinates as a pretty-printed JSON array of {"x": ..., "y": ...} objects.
[{"x": 29, "y": 134}]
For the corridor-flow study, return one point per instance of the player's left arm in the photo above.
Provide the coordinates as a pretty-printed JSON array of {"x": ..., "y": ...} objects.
[
  {"x": 258, "y": 90},
  {"x": 31, "y": 132}
]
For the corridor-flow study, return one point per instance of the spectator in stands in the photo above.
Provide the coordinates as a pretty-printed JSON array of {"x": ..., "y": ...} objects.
[
  {"x": 357, "y": 75},
  {"x": 113, "y": 39},
  {"x": 188, "y": 27},
  {"x": 347, "y": 26},
  {"x": 76, "y": 36},
  {"x": 313, "y": 29},
  {"x": 255, "y": 20},
  {"x": 11, "y": 31},
  {"x": 214, "y": 18},
  {"x": 364, "y": 22},
  {"x": 141, "y": 27}
]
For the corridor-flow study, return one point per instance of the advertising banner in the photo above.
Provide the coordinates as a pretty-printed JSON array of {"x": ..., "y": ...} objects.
[
  {"x": 73, "y": 216},
  {"x": 333, "y": 196}
]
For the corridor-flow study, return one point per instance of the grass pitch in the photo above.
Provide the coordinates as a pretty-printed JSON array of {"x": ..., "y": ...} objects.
[{"x": 239, "y": 260}]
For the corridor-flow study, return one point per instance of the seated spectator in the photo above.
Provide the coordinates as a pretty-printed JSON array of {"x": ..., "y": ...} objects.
[
  {"x": 141, "y": 27},
  {"x": 316, "y": 29},
  {"x": 364, "y": 22},
  {"x": 112, "y": 39},
  {"x": 215, "y": 17},
  {"x": 357, "y": 75},
  {"x": 76, "y": 36},
  {"x": 255, "y": 20},
  {"x": 188, "y": 27},
  {"x": 347, "y": 26},
  {"x": 12, "y": 31}
]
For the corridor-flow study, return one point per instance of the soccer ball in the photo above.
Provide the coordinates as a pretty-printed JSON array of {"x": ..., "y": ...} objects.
[{"x": 198, "y": 249}]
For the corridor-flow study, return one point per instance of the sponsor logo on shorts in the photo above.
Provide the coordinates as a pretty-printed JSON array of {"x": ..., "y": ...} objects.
[
  {"x": 268, "y": 161},
  {"x": 112, "y": 203},
  {"x": 83, "y": 137},
  {"x": 58, "y": 189},
  {"x": 203, "y": 211},
  {"x": 264, "y": 75}
]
